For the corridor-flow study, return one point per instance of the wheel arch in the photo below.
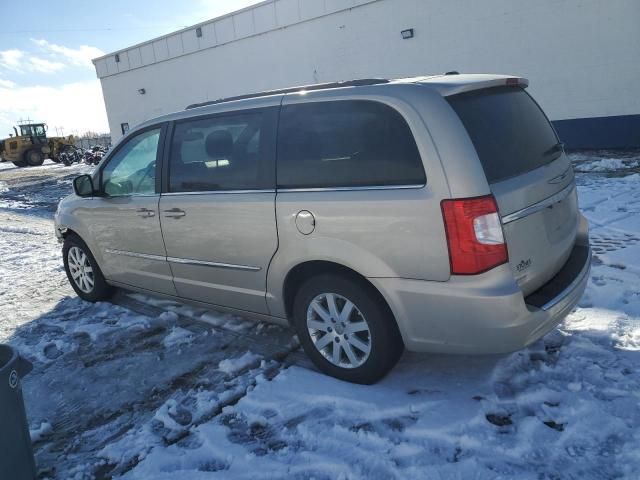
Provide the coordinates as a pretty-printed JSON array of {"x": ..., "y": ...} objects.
[
  {"x": 66, "y": 231},
  {"x": 308, "y": 269},
  {"x": 100, "y": 289}
]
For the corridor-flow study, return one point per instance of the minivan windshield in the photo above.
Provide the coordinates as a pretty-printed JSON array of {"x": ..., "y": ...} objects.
[{"x": 510, "y": 132}]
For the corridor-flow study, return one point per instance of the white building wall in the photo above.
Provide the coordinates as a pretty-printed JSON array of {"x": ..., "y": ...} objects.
[{"x": 581, "y": 56}]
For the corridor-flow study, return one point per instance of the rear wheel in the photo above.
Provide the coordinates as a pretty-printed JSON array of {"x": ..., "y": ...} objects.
[
  {"x": 346, "y": 329},
  {"x": 20, "y": 163},
  {"x": 34, "y": 158},
  {"x": 83, "y": 272}
]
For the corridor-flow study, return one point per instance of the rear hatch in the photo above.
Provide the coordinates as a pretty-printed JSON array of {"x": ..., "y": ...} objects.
[{"x": 529, "y": 175}]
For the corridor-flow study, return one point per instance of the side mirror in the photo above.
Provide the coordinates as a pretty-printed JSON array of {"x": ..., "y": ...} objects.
[{"x": 83, "y": 186}]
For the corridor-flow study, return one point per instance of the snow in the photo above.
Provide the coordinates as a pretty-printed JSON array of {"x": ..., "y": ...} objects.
[
  {"x": 17, "y": 229},
  {"x": 166, "y": 391},
  {"x": 40, "y": 432},
  {"x": 607, "y": 162},
  {"x": 177, "y": 336},
  {"x": 234, "y": 365}
]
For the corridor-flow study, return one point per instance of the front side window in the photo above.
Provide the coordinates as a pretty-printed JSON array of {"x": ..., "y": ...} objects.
[
  {"x": 26, "y": 131},
  {"x": 346, "y": 144},
  {"x": 132, "y": 169},
  {"x": 40, "y": 132},
  {"x": 217, "y": 153}
]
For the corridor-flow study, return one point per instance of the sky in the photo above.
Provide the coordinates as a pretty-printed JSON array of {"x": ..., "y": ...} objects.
[{"x": 46, "y": 73}]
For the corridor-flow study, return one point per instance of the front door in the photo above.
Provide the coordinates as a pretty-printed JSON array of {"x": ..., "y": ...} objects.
[
  {"x": 217, "y": 216},
  {"x": 124, "y": 223}
]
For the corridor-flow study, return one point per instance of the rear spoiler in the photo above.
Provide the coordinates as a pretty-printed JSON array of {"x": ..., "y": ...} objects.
[{"x": 454, "y": 84}]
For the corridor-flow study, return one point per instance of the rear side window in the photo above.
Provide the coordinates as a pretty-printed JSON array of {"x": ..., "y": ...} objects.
[
  {"x": 346, "y": 144},
  {"x": 510, "y": 132},
  {"x": 224, "y": 152}
]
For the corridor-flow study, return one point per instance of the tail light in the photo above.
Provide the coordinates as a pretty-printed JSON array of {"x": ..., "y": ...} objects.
[{"x": 474, "y": 235}]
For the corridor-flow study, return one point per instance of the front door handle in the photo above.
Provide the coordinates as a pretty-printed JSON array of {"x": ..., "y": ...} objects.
[
  {"x": 174, "y": 213},
  {"x": 145, "y": 212}
]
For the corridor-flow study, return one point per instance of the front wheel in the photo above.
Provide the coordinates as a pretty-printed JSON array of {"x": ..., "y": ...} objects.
[
  {"x": 83, "y": 272},
  {"x": 346, "y": 329},
  {"x": 34, "y": 158},
  {"x": 20, "y": 163}
]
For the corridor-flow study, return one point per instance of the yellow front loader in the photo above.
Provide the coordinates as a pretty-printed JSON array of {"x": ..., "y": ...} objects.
[{"x": 31, "y": 146}]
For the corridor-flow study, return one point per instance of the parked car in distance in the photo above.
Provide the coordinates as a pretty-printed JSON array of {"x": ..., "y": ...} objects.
[{"x": 436, "y": 214}]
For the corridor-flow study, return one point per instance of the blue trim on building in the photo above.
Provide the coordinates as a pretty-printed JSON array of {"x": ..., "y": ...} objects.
[{"x": 622, "y": 131}]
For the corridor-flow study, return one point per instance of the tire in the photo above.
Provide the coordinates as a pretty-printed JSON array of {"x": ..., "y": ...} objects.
[
  {"x": 20, "y": 163},
  {"x": 73, "y": 250},
  {"x": 34, "y": 158},
  {"x": 318, "y": 329}
]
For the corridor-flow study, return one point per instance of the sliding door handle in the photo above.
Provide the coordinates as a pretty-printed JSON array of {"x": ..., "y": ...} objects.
[
  {"x": 174, "y": 213},
  {"x": 145, "y": 212}
]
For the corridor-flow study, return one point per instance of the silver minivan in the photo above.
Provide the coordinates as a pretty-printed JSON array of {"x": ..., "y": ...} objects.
[{"x": 436, "y": 214}]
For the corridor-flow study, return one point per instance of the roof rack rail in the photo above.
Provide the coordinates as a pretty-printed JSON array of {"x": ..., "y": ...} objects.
[{"x": 303, "y": 88}]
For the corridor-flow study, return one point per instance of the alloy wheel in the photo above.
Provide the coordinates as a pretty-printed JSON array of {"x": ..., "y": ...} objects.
[
  {"x": 338, "y": 330},
  {"x": 80, "y": 269}
]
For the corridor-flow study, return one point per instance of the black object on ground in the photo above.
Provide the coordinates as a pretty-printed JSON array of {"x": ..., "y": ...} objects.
[{"x": 16, "y": 455}]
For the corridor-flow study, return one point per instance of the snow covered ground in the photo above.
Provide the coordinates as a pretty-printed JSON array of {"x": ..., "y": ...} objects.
[{"x": 147, "y": 389}]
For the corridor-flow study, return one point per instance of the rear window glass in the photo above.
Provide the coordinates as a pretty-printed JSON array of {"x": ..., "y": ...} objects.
[
  {"x": 346, "y": 144},
  {"x": 510, "y": 132}
]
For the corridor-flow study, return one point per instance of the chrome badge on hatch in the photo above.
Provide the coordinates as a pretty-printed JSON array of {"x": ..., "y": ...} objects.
[{"x": 523, "y": 265}]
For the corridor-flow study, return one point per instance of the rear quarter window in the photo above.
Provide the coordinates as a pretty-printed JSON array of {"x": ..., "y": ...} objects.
[
  {"x": 509, "y": 131},
  {"x": 346, "y": 144}
]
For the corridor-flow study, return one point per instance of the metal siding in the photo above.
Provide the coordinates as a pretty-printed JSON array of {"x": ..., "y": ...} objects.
[
  {"x": 209, "y": 38},
  {"x": 225, "y": 31},
  {"x": 174, "y": 44},
  {"x": 160, "y": 49},
  {"x": 190, "y": 41},
  {"x": 335, "y": 5},
  {"x": 265, "y": 18},
  {"x": 243, "y": 24},
  {"x": 135, "y": 59},
  {"x": 311, "y": 9},
  {"x": 287, "y": 12},
  {"x": 147, "y": 54},
  {"x": 573, "y": 76}
]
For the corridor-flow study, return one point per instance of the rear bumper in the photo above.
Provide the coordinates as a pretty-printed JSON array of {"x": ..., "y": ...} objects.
[{"x": 486, "y": 313}]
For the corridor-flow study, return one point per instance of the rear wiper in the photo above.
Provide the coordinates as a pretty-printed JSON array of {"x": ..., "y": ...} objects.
[{"x": 557, "y": 148}]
